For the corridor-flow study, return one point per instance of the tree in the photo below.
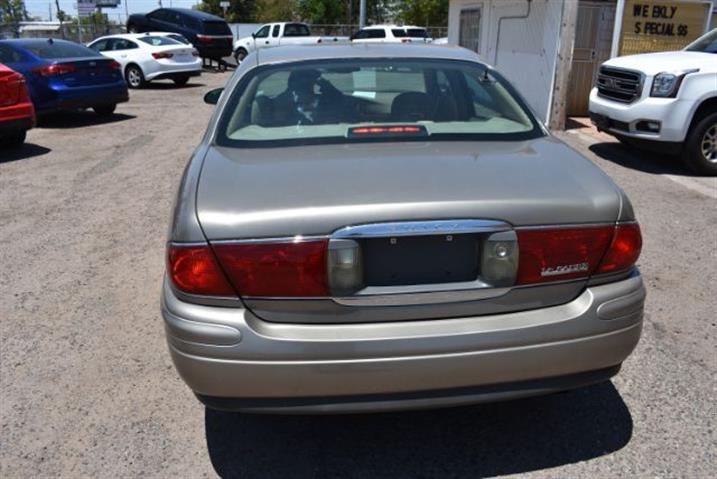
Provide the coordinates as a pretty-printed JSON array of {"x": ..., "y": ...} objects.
[
  {"x": 239, "y": 11},
  {"x": 432, "y": 13},
  {"x": 276, "y": 11},
  {"x": 12, "y": 11}
]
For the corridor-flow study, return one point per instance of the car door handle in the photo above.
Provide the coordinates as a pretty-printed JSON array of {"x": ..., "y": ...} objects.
[{"x": 266, "y": 42}]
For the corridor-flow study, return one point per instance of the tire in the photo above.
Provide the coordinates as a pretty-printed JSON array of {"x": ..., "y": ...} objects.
[
  {"x": 14, "y": 140},
  {"x": 134, "y": 77},
  {"x": 104, "y": 110},
  {"x": 180, "y": 81},
  {"x": 240, "y": 55},
  {"x": 700, "y": 153}
]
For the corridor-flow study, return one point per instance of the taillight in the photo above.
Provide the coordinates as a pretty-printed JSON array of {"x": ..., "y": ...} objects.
[
  {"x": 195, "y": 53},
  {"x": 193, "y": 269},
  {"x": 624, "y": 249},
  {"x": 12, "y": 89},
  {"x": 54, "y": 70},
  {"x": 295, "y": 269},
  {"x": 114, "y": 66},
  {"x": 558, "y": 254},
  {"x": 204, "y": 39},
  {"x": 160, "y": 55}
]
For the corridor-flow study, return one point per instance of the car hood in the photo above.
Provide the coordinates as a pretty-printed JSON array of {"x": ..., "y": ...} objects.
[
  {"x": 314, "y": 190},
  {"x": 654, "y": 63}
]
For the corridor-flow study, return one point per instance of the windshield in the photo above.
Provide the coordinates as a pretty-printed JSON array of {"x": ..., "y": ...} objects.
[
  {"x": 216, "y": 28},
  {"x": 159, "y": 41},
  {"x": 331, "y": 102},
  {"x": 706, "y": 44},
  {"x": 57, "y": 49}
]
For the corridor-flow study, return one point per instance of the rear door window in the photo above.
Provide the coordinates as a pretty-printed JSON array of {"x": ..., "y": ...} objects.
[
  {"x": 123, "y": 44},
  {"x": 399, "y": 32},
  {"x": 100, "y": 45},
  {"x": 58, "y": 49}
]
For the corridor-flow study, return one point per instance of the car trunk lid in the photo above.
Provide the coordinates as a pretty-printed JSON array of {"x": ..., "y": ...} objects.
[{"x": 410, "y": 273}]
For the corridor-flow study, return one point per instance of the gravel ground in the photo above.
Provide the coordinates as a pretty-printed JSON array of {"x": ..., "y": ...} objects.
[{"x": 88, "y": 390}]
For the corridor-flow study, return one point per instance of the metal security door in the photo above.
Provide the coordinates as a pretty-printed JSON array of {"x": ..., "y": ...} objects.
[
  {"x": 469, "y": 30},
  {"x": 593, "y": 38}
]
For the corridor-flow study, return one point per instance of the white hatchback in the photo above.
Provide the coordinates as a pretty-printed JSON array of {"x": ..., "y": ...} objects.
[{"x": 147, "y": 56}]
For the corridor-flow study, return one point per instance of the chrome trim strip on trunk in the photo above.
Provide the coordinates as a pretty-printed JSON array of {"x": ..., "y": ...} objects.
[{"x": 421, "y": 228}]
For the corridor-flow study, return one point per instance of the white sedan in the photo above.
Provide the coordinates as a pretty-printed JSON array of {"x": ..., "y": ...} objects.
[{"x": 145, "y": 57}]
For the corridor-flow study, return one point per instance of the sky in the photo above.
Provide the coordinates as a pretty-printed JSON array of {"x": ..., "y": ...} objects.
[{"x": 39, "y": 8}]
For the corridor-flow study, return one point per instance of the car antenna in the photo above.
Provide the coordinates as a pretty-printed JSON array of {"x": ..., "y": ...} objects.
[{"x": 50, "y": 41}]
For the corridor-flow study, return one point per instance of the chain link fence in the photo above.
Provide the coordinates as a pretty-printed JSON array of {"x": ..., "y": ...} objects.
[{"x": 82, "y": 33}]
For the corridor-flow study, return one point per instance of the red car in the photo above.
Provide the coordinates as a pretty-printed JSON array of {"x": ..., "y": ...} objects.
[{"x": 17, "y": 115}]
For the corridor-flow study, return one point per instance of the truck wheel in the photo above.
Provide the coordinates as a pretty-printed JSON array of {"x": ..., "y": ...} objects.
[
  {"x": 700, "y": 153},
  {"x": 104, "y": 110},
  {"x": 240, "y": 55}
]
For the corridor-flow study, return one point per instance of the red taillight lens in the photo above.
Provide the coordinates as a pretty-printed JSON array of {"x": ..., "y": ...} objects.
[
  {"x": 115, "y": 66},
  {"x": 194, "y": 270},
  {"x": 276, "y": 269},
  {"x": 624, "y": 249},
  {"x": 195, "y": 53},
  {"x": 204, "y": 39},
  {"x": 160, "y": 55},
  {"x": 12, "y": 89},
  {"x": 54, "y": 70},
  {"x": 561, "y": 253}
]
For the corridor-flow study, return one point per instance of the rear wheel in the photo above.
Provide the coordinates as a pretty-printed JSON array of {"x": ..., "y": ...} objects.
[
  {"x": 240, "y": 55},
  {"x": 700, "y": 152},
  {"x": 13, "y": 140},
  {"x": 134, "y": 76},
  {"x": 180, "y": 81},
  {"x": 104, "y": 110}
]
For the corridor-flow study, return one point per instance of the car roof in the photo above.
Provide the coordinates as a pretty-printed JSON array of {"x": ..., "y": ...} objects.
[
  {"x": 364, "y": 50},
  {"x": 196, "y": 14},
  {"x": 135, "y": 36},
  {"x": 34, "y": 41},
  {"x": 377, "y": 27}
]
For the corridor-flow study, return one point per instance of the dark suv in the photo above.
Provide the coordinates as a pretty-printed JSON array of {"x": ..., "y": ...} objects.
[{"x": 209, "y": 34}]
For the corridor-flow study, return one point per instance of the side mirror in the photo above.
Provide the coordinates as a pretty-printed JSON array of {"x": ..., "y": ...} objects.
[
  {"x": 253, "y": 35},
  {"x": 212, "y": 96}
]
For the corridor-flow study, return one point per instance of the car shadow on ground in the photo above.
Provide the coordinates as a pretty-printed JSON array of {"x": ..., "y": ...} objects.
[
  {"x": 645, "y": 161},
  {"x": 27, "y": 150},
  {"x": 79, "y": 119},
  {"x": 485, "y": 440},
  {"x": 170, "y": 86}
]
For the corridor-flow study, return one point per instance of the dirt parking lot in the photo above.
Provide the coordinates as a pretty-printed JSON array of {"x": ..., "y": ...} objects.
[{"x": 88, "y": 390}]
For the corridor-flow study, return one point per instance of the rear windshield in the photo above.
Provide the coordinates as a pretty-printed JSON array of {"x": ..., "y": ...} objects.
[
  {"x": 159, "y": 41},
  {"x": 417, "y": 33},
  {"x": 706, "y": 44},
  {"x": 333, "y": 101},
  {"x": 57, "y": 49},
  {"x": 296, "y": 30},
  {"x": 216, "y": 28},
  {"x": 179, "y": 38}
]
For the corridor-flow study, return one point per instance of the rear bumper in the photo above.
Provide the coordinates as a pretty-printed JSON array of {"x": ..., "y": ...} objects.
[
  {"x": 16, "y": 125},
  {"x": 174, "y": 74},
  {"x": 214, "y": 52},
  {"x": 86, "y": 97},
  {"x": 268, "y": 367}
]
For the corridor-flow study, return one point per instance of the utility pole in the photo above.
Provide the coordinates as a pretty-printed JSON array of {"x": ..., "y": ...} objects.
[
  {"x": 362, "y": 14},
  {"x": 60, "y": 17},
  {"x": 126, "y": 10},
  {"x": 49, "y": 11}
]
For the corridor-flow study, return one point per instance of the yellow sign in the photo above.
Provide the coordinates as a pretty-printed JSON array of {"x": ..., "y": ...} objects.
[{"x": 661, "y": 25}]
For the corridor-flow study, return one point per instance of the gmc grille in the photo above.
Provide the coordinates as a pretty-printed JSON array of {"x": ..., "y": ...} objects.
[{"x": 619, "y": 85}]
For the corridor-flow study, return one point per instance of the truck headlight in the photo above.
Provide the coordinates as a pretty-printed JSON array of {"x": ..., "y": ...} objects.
[{"x": 667, "y": 84}]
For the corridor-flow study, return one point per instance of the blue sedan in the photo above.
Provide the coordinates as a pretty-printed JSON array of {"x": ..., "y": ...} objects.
[{"x": 63, "y": 75}]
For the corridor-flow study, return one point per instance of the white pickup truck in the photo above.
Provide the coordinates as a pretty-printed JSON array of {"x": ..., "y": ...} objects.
[
  {"x": 276, "y": 34},
  {"x": 665, "y": 102}
]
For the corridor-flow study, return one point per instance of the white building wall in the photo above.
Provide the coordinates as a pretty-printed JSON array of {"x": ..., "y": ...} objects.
[{"x": 523, "y": 48}]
